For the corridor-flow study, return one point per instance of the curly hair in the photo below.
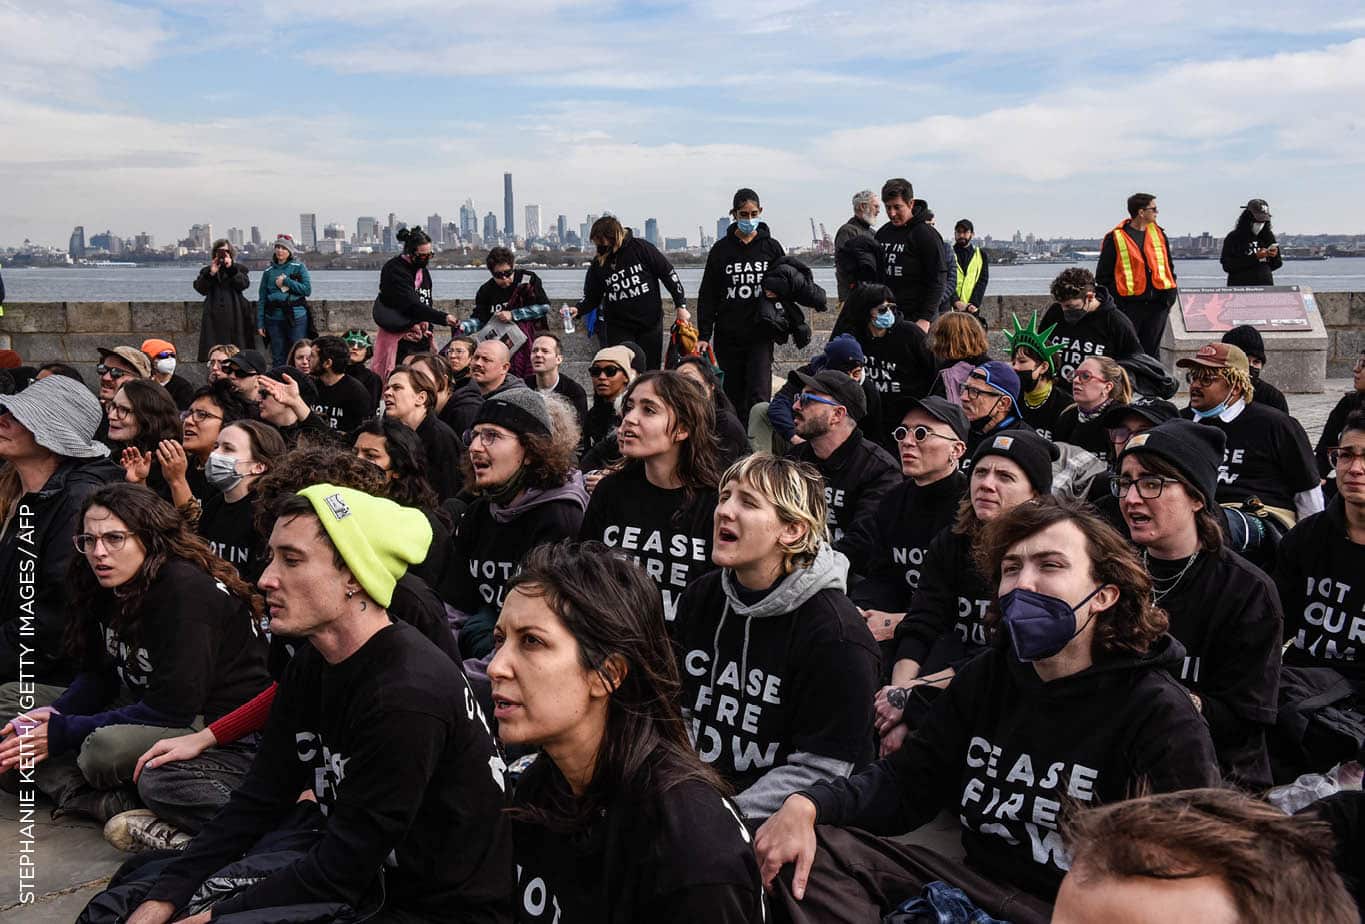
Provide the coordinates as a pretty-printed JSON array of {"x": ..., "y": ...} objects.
[
  {"x": 165, "y": 536},
  {"x": 1134, "y": 623},
  {"x": 155, "y": 412},
  {"x": 307, "y": 465},
  {"x": 956, "y": 336},
  {"x": 1073, "y": 282},
  {"x": 408, "y": 484},
  {"x": 1239, "y": 380},
  {"x": 549, "y": 460}
]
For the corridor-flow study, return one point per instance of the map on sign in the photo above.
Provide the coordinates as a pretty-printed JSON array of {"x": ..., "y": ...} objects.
[{"x": 1266, "y": 308}]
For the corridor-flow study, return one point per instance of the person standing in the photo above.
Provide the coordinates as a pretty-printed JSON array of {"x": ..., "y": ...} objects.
[
  {"x": 227, "y": 314},
  {"x": 624, "y": 280},
  {"x": 974, "y": 269},
  {"x": 1135, "y": 265},
  {"x": 866, "y": 208},
  {"x": 404, "y": 302},
  {"x": 282, "y": 304},
  {"x": 1250, "y": 254},
  {"x": 916, "y": 262},
  {"x": 728, "y": 303}
]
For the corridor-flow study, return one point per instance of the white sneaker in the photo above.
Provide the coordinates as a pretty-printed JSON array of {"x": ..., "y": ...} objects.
[{"x": 141, "y": 829}]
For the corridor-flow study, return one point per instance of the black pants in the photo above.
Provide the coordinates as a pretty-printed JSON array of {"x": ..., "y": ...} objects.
[
  {"x": 748, "y": 371},
  {"x": 649, "y": 339},
  {"x": 1149, "y": 318}
]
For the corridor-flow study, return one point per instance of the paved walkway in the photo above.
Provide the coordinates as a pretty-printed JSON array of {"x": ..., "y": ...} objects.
[{"x": 73, "y": 861}]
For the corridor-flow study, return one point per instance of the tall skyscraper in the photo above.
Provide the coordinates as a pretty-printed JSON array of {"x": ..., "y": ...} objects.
[
  {"x": 532, "y": 221},
  {"x": 335, "y": 231},
  {"x": 436, "y": 229},
  {"x": 144, "y": 241},
  {"x": 652, "y": 231},
  {"x": 76, "y": 247},
  {"x": 562, "y": 226},
  {"x": 308, "y": 231},
  {"x": 469, "y": 220},
  {"x": 236, "y": 237},
  {"x": 255, "y": 236},
  {"x": 722, "y": 226},
  {"x": 509, "y": 228},
  {"x": 490, "y": 229},
  {"x": 366, "y": 230},
  {"x": 391, "y": 242}
]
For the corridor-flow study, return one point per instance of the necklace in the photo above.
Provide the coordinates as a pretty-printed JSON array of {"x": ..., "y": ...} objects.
[{"x": 1161, "y": 587}]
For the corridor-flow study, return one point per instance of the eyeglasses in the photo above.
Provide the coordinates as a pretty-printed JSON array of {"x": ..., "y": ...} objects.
[
  {"x": 1201, "y": 376},
  {"x": 1121, "y": 435},
  {"x": 969, "y": 391},
  {"x": 217, "y": 363},
  {"x": 1360, "y": 364},
  {"x": 237, "y": 372},
  {"x": 113, "y": 540},
  {"x": 1082, "y": 377},
  {"x": 118, "y": 410},
  {"x": 807, "y": 398},
  {"x": 102, "y": 370},
  {"x": 605, "y": 371},
  {"x": 487, "y": 437},
  {"x": 199, "y": 415},
  {"x": 920, "y": 433},
  {"x": 1151, "y": 208},
  {"x": 1345, "y": 458},
  {"x": 1149, "y": 487},
  {"x": 505, "y": 274}
]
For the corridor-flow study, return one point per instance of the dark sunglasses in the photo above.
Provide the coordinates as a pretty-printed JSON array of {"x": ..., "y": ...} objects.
[
  {"x": 606, "y": 371},
  {"x": 505, "y": 274},
  {"x": 237, "y": 372},
  {"x": 102, "y": 370}
]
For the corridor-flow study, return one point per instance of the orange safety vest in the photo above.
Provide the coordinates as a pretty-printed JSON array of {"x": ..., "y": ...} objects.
[{"x": 1131, "y": 265}]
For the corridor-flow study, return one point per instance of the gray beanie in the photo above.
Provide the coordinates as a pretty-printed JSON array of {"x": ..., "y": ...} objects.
[
  {"x": 521, "y": 410},
  {"x": 62, "y": 415}
]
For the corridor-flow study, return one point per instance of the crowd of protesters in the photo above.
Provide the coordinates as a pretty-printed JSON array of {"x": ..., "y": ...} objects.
[{"x": 383, "y": 628}]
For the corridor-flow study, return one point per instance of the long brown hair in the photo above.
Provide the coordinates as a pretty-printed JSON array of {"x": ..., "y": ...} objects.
[
  {"x": 693, "y": 410},
  {"x": 166, "y": 537},
  {"x": 610, "y": 231},
  {"x": 155, "y": 412}
]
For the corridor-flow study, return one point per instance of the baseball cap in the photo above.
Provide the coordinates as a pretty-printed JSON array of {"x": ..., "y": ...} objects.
[
  {"x": 248, "y": 361},
  {"x": 1217, "y": 356},
  {"x": 944, "y": 411},
  {"x": 839, "y": 386},
  {"x": 1259, "y": 209},
  {"x": 1000, "y": 377},
  {"x": 130, "y": 355},
  {"x": 1153, "y": 410}
]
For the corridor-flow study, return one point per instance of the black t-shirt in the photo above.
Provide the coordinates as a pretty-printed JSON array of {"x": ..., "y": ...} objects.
[
  {"x": 666, "y": 534},
  {"x": 344, "y": 405},
  {"x": 492, "y": 298},
  {"x": 488, "y": 552},
  {"x": 683, "y": 856},
  {"x": 1267, "y": 456},
  {"x": 1106, "y": 331},
  {"x": 394, "y": 747},
  {"x": 1320, "y": 574},
  {"x": 229, "y": 530}
]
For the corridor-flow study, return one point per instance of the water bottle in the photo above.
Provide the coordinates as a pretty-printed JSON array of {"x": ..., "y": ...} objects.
[{"x": 567, "y": 314}]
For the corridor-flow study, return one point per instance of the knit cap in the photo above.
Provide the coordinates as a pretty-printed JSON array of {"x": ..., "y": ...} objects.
[
  {"x": 521, "y": 410},
  {"x": 285, "y": 241},
  {"x": 1193, "y": 449},
  {"x": 1026, "y": 449},
  {"x": 621, "y": 356},
  {"x": 378, "y": 539}
]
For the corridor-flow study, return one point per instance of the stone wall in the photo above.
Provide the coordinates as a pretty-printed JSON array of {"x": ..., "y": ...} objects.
[{"x": 1344, "y": 315}]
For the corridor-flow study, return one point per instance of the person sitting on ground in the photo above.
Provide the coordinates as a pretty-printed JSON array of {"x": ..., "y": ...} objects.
[
  {"x": 49, "y": 464},
  {"x": 658, "y": 508},
  {"x": 1223, "y": 609},
  {"x": 341, "y": 400},
  {"x": 1086, "y": 322},
  {"x": 512, "y": 296},
  {"x": 212, "y": 407},
  {"x": 1253, "y": 345},
  {"x": 141, "y": 417},
  {"x": 439, "y": 373},
  {"x": 423, "y": 809},
  {"x": 1349, "y": 403},
  {"x": 410, "y": 399},
  {"x": 932, "y": 437},
  {"x": 360, "y": 350},
  {"x": 161, "y": 354},
  {"x": 1042, "y": 396},
  {"x": 458, "y": 353},
  {"x": 245, "y": 368},
  {"x": 490, "y": 372},
  {"x": 611, "y": 371},
  {"x": 777, "y": 666},
  {"x": 167, "y": 638},
  {"x": 958, "y": 347},
  {"x": 1201, "y": 856},
  {"x": 1267, "y": 455},
  {"x": 990, "y": 399},
  {"x": 116, "y": 366},
  {"x": 286, "y": 403},
  {"x": 616, "y": 818},
  {"x": 521, "y": 464},
  {"x": 732, "y": 437},
  {"x": 1121, "y": 423},
  {"x": 302, "y": 357},
  {"x": 216, "y": 365},
  {"x": 547, "y": 377},
  {"x": 1078, "y": 645},
  {"x": 1098, "y": 384},
  {"x": 857, "y": 472},
  {"x": 244, "y": 451},
  {"x": 842, "y": 353},
  {"x": 948, "y": 622},
  {"x": 898, "y": 362}
]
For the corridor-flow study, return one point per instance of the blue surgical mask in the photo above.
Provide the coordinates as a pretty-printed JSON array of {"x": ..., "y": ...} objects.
[
  {"x": 1211, "y": 412},
  {"x": 747, "y": 225},
  {"x": 1040, "y": 625},
  {"x": 884, "y": 319}
]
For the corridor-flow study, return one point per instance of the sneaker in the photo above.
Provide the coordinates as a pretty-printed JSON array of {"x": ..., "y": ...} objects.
[{"x": 140, "y": 829}]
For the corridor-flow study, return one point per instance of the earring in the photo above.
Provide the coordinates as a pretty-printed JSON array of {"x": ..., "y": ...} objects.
[{"x": 351, "y": 593}]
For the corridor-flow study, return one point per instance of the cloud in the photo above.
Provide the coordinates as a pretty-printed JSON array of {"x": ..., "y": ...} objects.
[{"x": 62, "y": 49}]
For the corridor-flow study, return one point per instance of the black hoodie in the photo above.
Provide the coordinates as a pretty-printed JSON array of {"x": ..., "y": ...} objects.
[
  {"x": 1106, "y": 331},
  {"x": 626, "y": 285},
  {"x": 492, "y": 298},
  {"x": 1006, "y": 752},
  {"x": 1239, "y": 254},
  {"x": 732, "y": 286},
  {"x": 675, "y": 858},
  {"x": 906, "y": 522},
  {"x": 946, "y": 622},
  {"x": 857, "y": 476},
  {"x": 916, "y": 265},
  {"x": 1320, "y": 574}
]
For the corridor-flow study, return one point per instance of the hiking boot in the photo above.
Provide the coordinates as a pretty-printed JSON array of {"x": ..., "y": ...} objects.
[
  {"x": 99, "y": 804},
  {"x": 140, "y": 829}
]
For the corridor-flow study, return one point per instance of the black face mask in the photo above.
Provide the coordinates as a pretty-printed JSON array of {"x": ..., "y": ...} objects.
[
  {"x": 1254, "y": 372},
  {"x": 1027, "y": 380},
  {"x": 421, "y": 259},
  {"x": 603, "y": 250},
  {"x": 1072, "y": 315}
]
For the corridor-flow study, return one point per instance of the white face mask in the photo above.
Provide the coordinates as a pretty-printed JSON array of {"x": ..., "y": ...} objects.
[
  {"x": 1257, "y": 226},
  {"x": 165, "y": 366}
]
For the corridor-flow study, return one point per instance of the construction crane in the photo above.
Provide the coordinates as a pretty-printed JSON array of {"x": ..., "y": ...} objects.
[
  {"x": 814, "y": 238},
  {"x": 824, "y": 237}
]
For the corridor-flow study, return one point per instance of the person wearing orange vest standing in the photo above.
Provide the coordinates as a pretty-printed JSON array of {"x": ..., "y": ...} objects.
[{"x": 1136, "y": 267}]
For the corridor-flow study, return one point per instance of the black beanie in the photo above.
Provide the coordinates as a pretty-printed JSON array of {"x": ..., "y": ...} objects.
[
  {"x": 1026, "y": 449},
  {"x": 1195, "y": 450},
  {"x": 1249, "y": 339}
]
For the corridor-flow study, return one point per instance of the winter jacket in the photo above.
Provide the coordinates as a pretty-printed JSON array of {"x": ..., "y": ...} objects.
[
  {"x": 794, "y": 285},
  {"x": 36, "y": 550},
  {"x": 1239, "y": 258},
  {"x": 401, "y": 298},
  {"x": 1007, "y": 752},
  {"x": 778, "y": 690},
  {"x": 859, "y": 260},
  {"x": 857, "y": 474},
  {"x": 272, "y": 301},
  {"x": 916, "y": 265},
  {"x": 626, "y": 286},
  {"x": 227, "y": 316},
  {"x": 731, "y": 286},
  {"x": 1106, "y": 331},
  {"x": 855, "y": 227}
]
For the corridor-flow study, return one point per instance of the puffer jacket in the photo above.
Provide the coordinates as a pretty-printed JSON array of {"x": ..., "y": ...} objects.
[
  {"x": 794, "y": 285},
  {"x": 273, "y": 301}
]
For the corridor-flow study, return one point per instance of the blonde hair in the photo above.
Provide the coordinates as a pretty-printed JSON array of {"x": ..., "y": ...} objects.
[
  {"x": 957, "y": 335},
  {"x": 1115, "y": 375},
  {"x": 610, "y": 231},
  {"x": 227, "y": 349},
  {"x": 797, "y": 492}
]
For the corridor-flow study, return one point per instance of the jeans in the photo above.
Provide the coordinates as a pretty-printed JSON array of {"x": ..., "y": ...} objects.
[
  {"x": 187, "y": 793},
  {"x": 283, "y": 332}
]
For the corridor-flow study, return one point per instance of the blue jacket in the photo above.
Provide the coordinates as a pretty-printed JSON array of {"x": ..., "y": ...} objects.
[{"x": 273, "y": 300}]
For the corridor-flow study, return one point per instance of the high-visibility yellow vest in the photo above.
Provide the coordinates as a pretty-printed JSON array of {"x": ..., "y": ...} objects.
[
  {"x": 1131, "y": 264},
  {"x": 966, "y": 281}
]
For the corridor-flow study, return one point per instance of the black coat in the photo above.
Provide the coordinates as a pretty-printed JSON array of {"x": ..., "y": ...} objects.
[
  {"x": 1239, "y": 255},
  {"x": 794, "y": 285},
  {"x": 228, "y": 316}
]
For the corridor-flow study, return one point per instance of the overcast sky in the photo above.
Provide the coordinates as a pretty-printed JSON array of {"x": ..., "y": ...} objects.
[{"x": 1039, "y": 116}]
